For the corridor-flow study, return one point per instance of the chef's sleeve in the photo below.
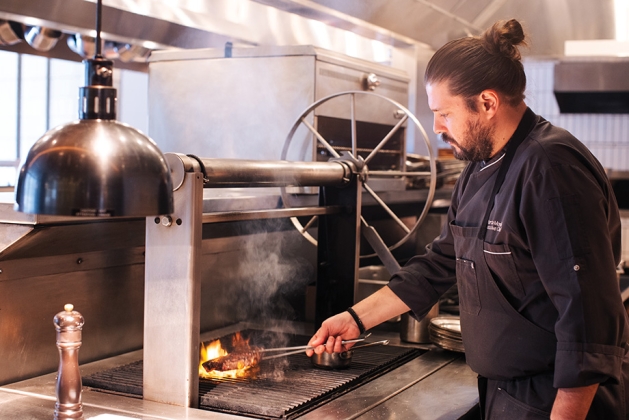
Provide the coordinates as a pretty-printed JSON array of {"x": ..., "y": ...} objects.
[
  {"x": 424, "y": 278},
  {"x": 573, "y": 226}
]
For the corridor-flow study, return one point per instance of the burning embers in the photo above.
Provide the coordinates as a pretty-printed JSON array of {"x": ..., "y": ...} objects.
[{"x": 216, "y": 362}]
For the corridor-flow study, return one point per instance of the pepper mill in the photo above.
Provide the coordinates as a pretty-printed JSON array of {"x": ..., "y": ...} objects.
[{"x": 68, "y": 324}]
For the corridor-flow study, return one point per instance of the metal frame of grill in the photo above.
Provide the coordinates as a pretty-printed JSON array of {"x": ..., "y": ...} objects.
[
  {"x": 435, "y": 385},
  {"x": 282, "y": 388},
  {"x": 173, "y": 249}
]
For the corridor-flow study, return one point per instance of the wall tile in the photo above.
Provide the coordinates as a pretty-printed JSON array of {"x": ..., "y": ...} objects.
[{"x": 606, "y": 135}]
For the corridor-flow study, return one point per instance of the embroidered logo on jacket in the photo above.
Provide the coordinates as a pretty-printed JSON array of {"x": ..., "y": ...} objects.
[{"x": 494, "y": 225}]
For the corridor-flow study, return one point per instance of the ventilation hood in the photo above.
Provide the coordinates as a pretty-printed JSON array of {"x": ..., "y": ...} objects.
[
  {"x": 593, "y": 77},
  {"x": 411, "y": 26},
  {"x": 400, "y": 23}
]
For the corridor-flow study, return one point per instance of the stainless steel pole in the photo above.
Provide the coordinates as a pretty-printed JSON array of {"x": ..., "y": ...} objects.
[{"x": 260, "y": 173}]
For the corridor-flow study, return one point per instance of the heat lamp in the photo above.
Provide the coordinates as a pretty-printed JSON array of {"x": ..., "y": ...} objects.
[{"x": 95, "y": 166}]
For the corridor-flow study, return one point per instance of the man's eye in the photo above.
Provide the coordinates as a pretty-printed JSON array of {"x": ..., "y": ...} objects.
[{"x": 444, "y": 115}]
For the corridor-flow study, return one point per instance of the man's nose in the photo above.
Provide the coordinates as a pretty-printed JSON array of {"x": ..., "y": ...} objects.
[{"x": 437, "y": 126}]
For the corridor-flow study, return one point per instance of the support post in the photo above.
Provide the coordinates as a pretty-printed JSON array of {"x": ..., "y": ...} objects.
[
  {"x": 338, "y": 250},
  {"x": 172, "y": 290}
]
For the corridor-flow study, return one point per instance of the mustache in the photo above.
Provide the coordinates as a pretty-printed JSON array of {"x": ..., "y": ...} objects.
[{"x": 447, "y": 139}]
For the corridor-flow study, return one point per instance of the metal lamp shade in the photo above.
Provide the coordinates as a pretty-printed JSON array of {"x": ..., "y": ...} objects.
[{"x": 94, "y": 167}]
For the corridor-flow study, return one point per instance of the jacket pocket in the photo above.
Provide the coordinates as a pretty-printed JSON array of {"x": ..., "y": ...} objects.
[
  {"x": 467, "y": 283},
  {"x": 506, "y": 407},
  {"x": 500, "y": 261}
]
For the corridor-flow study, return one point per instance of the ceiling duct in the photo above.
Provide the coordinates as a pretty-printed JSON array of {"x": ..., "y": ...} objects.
[
  {"x": 42, "y": 39},
  {"x": 83, "y": 45},
  {"x": 10, "y": 32},
  {"x": 110, "y": 50},
  {"x": 592, "y": 85},
  {"x": 128, "y": 52}
]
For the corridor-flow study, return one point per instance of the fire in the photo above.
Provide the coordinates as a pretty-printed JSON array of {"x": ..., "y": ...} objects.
[
  {"x": 214, "y": 349},
  {"x": 209, "y": 352}
]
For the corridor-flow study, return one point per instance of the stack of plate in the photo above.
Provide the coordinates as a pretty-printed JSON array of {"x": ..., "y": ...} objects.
[{"x": 445, "y": 331}]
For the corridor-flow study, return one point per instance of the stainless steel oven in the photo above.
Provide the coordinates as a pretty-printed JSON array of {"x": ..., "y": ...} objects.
[{"x": 243, "y": 104}]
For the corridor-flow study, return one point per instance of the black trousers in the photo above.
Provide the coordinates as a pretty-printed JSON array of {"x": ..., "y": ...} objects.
[
  {"x": 528, "y": 398},
  {"x": 532, "y": 398}
]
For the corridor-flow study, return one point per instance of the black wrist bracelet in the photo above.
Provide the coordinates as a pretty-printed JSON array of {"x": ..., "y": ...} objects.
[{"x": 361, "y": 326}]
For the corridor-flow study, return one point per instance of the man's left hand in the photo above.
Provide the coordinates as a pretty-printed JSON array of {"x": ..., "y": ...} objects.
[{"x": 573, "y": 403}]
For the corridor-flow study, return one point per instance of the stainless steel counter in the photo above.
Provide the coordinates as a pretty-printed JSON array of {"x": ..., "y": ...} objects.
[{"x": 436, "y": 385}]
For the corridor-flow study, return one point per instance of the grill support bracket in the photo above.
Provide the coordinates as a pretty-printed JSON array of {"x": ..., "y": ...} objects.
[
  {"x": 172, "y": 298},
  {"x": 172, "y": 295}
]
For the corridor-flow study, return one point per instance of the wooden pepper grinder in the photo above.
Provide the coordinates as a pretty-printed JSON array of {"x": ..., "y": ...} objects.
[{"x": 68, "y": 324}]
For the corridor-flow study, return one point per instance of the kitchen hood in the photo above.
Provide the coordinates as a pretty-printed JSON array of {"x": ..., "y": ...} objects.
[
  {"x": 593, "y": 77},
  {"x": 598, "y": 86}
]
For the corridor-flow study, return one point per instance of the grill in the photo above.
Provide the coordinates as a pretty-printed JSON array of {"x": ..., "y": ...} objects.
[{"x": 281, "y": 388}]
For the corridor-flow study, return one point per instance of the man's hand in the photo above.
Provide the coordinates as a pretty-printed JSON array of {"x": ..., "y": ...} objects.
[
  {"x": 373, "y": 310},
  {"x": 334, "y": 330},
  {"x": 573, "y": 403}
]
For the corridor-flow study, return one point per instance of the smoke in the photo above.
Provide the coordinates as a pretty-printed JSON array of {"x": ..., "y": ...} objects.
[
  {"x": 271, "y": 272},
  {"x": 272, "y": 277},
  {"x": 267, "y": 274}
]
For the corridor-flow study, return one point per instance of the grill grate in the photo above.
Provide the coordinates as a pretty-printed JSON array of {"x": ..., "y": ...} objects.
[
  {"x": 282, "y": 388},
  {"x": 125, "y": 380}
]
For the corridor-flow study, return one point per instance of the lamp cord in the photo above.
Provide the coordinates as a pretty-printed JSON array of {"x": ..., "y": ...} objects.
[
  {"x": 99, "y": 10},
  {"x": 203, "y": 170}
]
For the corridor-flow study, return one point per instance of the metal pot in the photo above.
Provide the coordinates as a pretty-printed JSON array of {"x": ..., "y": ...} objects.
[
  {"x": 340, "y": 360},
  {"x": 332, "y": 360},
  {"x": 414, "y": 331}
]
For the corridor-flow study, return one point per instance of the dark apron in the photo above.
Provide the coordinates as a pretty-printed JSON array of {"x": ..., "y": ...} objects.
[{"x": 500, "y": 343}]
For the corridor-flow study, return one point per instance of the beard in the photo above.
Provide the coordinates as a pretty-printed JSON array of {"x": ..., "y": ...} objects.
[{"x": 479, "y": 142}]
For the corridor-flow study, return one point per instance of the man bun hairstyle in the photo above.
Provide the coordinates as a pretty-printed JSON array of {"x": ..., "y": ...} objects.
[{"x": 490, "y": 61}]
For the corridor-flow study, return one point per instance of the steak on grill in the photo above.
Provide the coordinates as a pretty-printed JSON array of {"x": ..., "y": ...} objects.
[{"x": 234, "y": 360}]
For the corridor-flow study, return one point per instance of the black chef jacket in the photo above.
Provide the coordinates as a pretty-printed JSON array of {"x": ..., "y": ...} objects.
[{"x": 547, "y": 265}]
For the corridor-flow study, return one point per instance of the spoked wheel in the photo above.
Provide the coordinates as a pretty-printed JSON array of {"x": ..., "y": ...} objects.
[{"x": 322, "y": 146}]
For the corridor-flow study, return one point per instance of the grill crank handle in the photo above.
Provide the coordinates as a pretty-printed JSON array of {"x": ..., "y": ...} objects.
[{"x": 380, "y": 247}]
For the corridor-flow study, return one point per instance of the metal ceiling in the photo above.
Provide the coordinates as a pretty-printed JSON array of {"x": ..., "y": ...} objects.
[
  {"x": 549, "y": 22},
  {"x": 211, "y": 23}
]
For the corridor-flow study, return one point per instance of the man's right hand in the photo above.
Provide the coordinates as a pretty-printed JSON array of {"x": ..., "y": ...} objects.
[
  {"x": 372, "y": 310},
  {"x": 332, "y": 332}
]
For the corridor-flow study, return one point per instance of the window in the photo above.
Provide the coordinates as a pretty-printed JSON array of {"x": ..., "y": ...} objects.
[
  {"x": 33, "y": 111},
  {"x": 8, "y": 117},
  {"x": 66, "y": 77},
  {"x": 38, "y": 93}
]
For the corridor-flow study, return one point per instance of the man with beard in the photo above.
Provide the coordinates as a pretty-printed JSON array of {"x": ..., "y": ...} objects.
[{"x": 532, "y": 242}]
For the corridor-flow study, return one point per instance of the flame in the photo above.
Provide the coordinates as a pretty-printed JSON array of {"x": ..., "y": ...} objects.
[{"x": 214, "y": 349}]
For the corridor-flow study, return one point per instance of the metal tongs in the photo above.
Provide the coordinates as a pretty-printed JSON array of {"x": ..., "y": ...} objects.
[{"x": 298, "y": 349}]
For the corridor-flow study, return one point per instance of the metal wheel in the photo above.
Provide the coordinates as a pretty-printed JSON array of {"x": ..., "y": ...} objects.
[{"x": 319, "y": 142}]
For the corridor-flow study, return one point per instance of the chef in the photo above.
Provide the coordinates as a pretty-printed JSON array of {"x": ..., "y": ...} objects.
[{"x": 532, "y": 241}]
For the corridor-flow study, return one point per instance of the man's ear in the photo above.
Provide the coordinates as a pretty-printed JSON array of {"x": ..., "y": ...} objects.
[{"x": 489, "y": 102}]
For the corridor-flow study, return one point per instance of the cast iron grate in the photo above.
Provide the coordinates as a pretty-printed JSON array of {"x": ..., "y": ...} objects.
[{"x": 282, "y": 388}]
